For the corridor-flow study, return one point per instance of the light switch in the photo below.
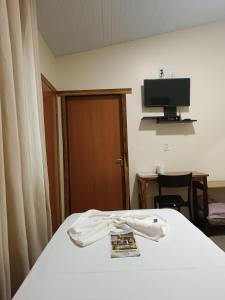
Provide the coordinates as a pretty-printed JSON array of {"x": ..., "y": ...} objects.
[{"x": 166, "y": 147}]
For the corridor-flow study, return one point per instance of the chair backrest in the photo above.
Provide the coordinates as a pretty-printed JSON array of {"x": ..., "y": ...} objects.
[{"x": 173, "y": 181}]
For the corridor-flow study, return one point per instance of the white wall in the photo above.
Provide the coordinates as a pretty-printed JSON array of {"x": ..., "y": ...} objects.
[
  {"x": 198, "y": 53},
  {"x": 47, "y": 61}
]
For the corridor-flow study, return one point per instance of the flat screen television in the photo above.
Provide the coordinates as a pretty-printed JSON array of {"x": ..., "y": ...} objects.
[{"x": 170, "y": 92}]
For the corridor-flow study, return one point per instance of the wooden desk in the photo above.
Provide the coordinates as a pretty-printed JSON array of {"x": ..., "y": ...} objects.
[{"x": 145, "y": 181}]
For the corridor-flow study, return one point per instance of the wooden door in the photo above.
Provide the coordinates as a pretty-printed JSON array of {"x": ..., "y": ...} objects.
[
  {"x": 95, "y": 153},
  {"x": 51, "y": 139}
]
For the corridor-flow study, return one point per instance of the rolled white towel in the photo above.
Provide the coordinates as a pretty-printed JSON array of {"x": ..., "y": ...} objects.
[
  {"x": 94, "y": 225},
  {"x": 152, "y": 227}
]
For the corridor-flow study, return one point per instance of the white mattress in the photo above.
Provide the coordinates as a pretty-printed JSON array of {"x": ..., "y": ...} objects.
[{"x": 183, "y": 265}]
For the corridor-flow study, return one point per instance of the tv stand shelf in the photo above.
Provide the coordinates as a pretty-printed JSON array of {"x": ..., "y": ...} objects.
[{"x": 169, "y": 120}]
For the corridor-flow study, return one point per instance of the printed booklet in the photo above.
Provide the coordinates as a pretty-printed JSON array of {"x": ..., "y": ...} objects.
[{"x": 123, "y": 244}]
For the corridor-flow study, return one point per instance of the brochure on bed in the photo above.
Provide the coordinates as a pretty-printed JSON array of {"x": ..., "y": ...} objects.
[{"x": 123, "y": 244}]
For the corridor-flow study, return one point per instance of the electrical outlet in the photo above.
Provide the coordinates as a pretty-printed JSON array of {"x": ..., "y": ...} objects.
[
  {"x": 166, "y": 147},
  {"x": 161, "y": 73}
]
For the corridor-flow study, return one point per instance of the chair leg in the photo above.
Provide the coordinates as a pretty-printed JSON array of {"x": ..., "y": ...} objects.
[
  {"x": 190, "y": 213},
  {"x": 206, "y": 229},
  {"x": 155, "y": 203}
]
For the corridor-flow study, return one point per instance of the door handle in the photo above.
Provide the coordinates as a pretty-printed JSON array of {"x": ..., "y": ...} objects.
[{"x": 119, "y": 161}]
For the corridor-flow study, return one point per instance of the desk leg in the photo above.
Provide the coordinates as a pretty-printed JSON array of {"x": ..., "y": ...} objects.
[
  {"x": 194, "y": 203},
  {"x": 142, "y": 193},
  {"x": 205, "y": 200},
  {"x": 205, "y": 203}
]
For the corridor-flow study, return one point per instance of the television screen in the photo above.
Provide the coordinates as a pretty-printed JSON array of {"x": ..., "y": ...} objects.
[{"x": 167, "y": 92}]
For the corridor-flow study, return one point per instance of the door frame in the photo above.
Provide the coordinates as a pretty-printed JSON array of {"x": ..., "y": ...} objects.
[
  {"x": 56, "y": 209},
  {"x": 125, "y": 169}
]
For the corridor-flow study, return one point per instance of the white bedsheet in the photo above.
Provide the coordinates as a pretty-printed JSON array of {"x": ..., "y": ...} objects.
[{"x": 185, "y": 264}]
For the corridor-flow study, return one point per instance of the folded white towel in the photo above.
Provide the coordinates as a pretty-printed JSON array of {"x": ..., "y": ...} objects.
[{"x": 94, "y": 225}]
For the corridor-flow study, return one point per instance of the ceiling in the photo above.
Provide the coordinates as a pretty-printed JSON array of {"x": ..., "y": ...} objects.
[{"x": 71, "y": 26}]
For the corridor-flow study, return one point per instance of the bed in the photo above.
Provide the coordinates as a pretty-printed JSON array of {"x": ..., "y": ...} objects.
[{"x": 185, "y": 264}]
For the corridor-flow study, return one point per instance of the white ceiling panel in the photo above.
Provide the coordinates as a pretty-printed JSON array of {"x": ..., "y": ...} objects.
[{"x": 71, "y": 26}]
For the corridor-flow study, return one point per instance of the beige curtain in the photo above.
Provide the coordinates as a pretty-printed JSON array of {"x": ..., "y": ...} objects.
[{"x": 25, "y": 225}]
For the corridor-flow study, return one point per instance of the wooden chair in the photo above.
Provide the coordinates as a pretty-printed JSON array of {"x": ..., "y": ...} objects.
[
  {"x": 209, "y": 216},
  {"x": 174, "y": 201}
]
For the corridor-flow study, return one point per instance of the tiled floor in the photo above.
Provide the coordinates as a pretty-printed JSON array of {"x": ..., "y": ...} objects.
[{"x": 219, "y": 240}]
